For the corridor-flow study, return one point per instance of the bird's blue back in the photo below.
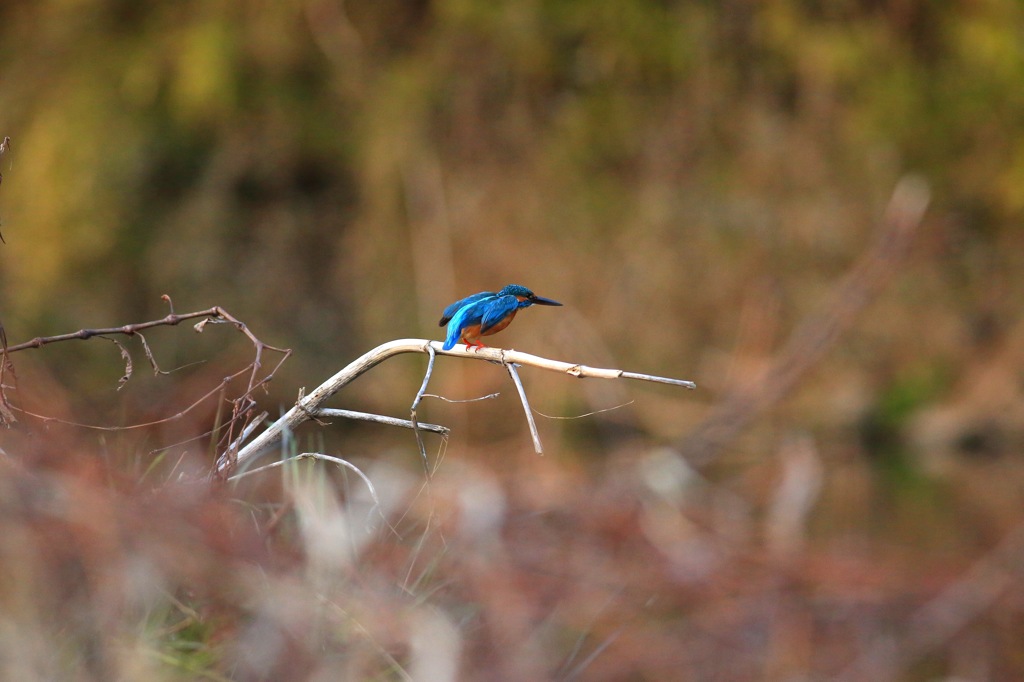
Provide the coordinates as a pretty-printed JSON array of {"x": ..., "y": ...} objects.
[
  {"x": 450, "y": 311},
  {"x": 465, "y": 316},
  {"x": 486, "y": 310}
]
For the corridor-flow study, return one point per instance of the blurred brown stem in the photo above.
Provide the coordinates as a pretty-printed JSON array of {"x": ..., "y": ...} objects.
[
  {"x": 933, "y": 625},
  {"x": 818, "y": 332}
]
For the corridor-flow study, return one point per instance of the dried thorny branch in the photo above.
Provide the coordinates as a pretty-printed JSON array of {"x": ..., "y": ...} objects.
[
  {"x": 242, "y": 414},
  {"x": 818, "y": 332},
  {"x": 308, "y": 406}
]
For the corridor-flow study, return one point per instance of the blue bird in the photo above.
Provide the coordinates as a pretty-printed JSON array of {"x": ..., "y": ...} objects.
[{"x": 486, "y": 313}]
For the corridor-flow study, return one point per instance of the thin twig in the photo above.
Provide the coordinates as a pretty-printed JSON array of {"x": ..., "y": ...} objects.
[
  {"x": 380, "y": 419},
  {"x": 586, "y": 414},
  {"x": 242, "y": 406},
  {"x": 266, "y": 441},
  {"x": 659, "y": 380},
  {"x": 489, "y": 396},
  {"x": 152, "y": 359},
  {"x": 128, "y": 329},
  {"x": 326, "y": 458},
  {"x": 416, "y": 402},
  {"x": 537, "y": 447}
]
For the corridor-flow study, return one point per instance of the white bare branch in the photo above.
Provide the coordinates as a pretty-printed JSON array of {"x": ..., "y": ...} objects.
[{"x": 308, "y": 406}]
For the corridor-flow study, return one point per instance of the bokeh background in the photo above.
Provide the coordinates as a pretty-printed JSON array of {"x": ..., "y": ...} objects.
[{"x": 694, "y": 180}]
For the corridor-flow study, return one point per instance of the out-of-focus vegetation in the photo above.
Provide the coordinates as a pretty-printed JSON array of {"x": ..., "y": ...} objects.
[{"x": 690, "y": 178}]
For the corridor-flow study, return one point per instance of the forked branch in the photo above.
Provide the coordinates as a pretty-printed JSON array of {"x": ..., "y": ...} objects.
[{"x": 309, "y": 405}]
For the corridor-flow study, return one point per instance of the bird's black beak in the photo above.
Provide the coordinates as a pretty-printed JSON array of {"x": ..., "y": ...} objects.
[{"x": 540, "y": 300}]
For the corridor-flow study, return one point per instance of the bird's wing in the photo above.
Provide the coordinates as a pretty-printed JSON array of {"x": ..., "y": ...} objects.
[
  {"x": 496, "y": 310},
  {"x": 450, "y": 311},
  {"x": 465, "y": 316}
]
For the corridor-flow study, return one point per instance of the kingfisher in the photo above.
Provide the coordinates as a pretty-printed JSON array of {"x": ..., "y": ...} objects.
[{"x": 486, "y": 313}]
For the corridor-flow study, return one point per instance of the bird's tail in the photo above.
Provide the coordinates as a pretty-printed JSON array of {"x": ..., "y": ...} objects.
[{"x": 453, "y": 336}]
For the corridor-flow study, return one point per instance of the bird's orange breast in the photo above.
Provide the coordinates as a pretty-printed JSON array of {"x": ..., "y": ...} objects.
[
  {"x": 471, "y": 333},
  {"x": 501, "y": 325}
]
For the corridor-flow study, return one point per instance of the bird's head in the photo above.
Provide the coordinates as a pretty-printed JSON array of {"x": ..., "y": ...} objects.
[{"x": 525, "y": 296}]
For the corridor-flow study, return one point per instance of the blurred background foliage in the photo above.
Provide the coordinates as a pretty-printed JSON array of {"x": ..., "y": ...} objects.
[
  {"x": 688, "y": 177},
  {"x": 334, "y": 174}
]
